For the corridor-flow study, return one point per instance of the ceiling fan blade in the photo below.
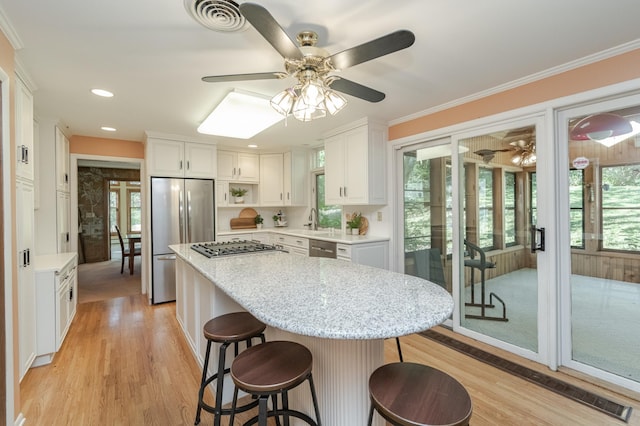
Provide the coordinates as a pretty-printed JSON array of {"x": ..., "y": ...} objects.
[
  {"x": 373, "y": 49},
  {"x": 266, "y": 25},
  {"x": 242, "y": 77},
  {"x": 358, "y": 90}
]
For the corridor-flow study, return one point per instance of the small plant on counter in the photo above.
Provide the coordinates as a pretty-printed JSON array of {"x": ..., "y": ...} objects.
[
  {"x": 354, "y": 221},
  {"x": 275, "y": 218},
  {"x": 258, "y": 220}
]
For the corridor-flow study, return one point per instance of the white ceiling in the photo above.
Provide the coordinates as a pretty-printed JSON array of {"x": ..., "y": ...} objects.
[{"x": 152, "y": 54}]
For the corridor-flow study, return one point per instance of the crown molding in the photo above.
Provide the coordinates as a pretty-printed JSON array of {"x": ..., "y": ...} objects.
[
  {"x": 9, "y": 32},
  {"x": 587, "y": 60}
]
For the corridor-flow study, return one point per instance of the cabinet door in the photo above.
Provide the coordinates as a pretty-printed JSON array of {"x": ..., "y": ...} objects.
[
  {"x": 166, "y": 158},
  {"x": 201, "y": 161},
  {"x": 24, "y": 131},
  {"x": 356, "y": 172},
  {"x": 334, "y": 169},
  {"x": 26, "y": 276},
  {"x": 62, "y": 161},
  {"x": 63, "y": 206},
  {"x": 248, "y": 167},
  {"x": 271, "y": 180},
  {"x": 296, "y": 174},
  {"x": 222, "y": 193},
  {"x": 227, "y": 165}
]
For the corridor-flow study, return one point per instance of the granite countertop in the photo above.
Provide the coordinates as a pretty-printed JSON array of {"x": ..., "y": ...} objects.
[
  {"x": 337, "y": 237},
  {"x": 325, "y": 298}
]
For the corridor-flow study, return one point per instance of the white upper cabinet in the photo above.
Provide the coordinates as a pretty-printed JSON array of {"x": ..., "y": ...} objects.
[
  {"x": 355, "y": 166},
  {"x": 283, "y": 179},
  {"x": 172, "y": 158},
  {"x": 238, "y": 166},
  {"x": 24, "y": 131},
  {"x": 296, "y": 178},
  {"x": 271, "y": 180}
]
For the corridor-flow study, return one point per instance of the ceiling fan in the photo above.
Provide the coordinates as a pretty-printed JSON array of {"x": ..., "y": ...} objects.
[
  {"x": 522, "y": 143},
  {"x": 315, "y": 92},
  {"x": 488, "y": 154}
]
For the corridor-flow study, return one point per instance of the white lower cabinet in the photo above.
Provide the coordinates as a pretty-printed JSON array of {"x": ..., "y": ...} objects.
[
  {"x": 372, "y": 254},
  {"x": 294, "y": 245},
  {"x": 56, "y": 301}
]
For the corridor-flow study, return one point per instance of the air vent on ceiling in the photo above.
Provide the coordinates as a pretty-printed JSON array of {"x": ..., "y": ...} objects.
[{"x": 218, "y": 15}]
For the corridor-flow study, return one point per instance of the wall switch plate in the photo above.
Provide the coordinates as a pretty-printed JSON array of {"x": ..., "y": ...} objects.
[{"x": 379, "y": 216}]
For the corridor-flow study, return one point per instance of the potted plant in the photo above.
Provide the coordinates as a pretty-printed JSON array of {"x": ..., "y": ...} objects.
[
  {"x": 258, "y": 221},
  {"x": 353, "y": 223},
  {"x": 238, "y": 193}
]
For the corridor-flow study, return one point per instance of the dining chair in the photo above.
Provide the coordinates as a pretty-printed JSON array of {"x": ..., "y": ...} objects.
[{"x": 125, "y": 250}]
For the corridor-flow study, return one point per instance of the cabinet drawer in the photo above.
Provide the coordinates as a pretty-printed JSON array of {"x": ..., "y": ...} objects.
[
  {"x": 344, "y": 251},
  {"x": 287, "y": 240}
]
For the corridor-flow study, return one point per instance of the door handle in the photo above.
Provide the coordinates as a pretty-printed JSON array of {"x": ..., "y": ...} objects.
[
  {"x": 534, "y": 243},
  {"x": 169, "y": 257}
]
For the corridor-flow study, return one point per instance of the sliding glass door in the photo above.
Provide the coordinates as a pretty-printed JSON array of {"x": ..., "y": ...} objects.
[
  {"x": 427, "y": 213},
  {"x": 500, "y": 237},
  {"x": 600, "y": 284}
]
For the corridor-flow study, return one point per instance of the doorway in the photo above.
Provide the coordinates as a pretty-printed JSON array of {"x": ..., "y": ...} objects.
[{"x": 103, "y": 197}]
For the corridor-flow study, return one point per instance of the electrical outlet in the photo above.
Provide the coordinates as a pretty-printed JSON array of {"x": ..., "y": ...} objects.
[{"x": 379, "y": 216}]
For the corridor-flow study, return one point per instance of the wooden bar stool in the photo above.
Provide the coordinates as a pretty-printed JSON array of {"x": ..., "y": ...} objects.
[
  {"x": 409, "y": 394},
  {"x": 270, "y": 369},
  {"x": 226, "y": 329}
]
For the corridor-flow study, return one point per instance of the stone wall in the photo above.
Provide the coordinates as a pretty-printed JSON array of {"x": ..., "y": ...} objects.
[{"x": 93, "y": 209}]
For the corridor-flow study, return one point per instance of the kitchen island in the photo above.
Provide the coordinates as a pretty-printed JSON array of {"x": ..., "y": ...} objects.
[{"x": 341, "y": 311}]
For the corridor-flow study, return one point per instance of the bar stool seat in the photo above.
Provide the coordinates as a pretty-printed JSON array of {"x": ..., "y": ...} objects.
[
  {"x": 273, "y": 368},
  {"x": 226, "y": 329},
  {"x": 409, "y": 394}
]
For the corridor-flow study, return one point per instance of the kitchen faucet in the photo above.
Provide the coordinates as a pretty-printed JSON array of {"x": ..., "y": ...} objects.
[{"x": 314, "y": 223}]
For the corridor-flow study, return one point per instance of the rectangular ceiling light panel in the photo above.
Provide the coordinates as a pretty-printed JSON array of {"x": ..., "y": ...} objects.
[{"x": 240, "y": 115}]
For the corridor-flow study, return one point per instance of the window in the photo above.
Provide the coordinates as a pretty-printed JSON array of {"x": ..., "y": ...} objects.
[
  {"x": 329, "y": 216},
  {"x": 576, "y": 207},
  {"x": 485, "y": 207},
  {"x": 417, "y": 203},
  {"x": 114, "y": 210},
  {"x": 621, "y": 208},
  {"x": 134, "y": 222},
  {"x": 533, "y": 196},
  {"x": 510, "y": 228}
]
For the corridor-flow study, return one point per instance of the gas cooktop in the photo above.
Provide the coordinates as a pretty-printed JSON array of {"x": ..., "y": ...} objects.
[{"x": 232, "y": 247}]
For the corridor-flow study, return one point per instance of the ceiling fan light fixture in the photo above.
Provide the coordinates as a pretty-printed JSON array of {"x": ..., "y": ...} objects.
[
  {"x": 334, "y": 102},
  {"x": 304, "y": 112},
  {"x": 283, "y": 101}
]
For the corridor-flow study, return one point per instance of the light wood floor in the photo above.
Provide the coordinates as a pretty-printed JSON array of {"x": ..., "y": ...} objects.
[{"x": 125, "y": 362}]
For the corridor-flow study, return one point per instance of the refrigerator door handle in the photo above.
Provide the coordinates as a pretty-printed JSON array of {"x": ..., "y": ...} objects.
[
  {"x": 181, "y": 216},
  {"x": 168, "y": 257},
  {"x": 188, "y": 217}
]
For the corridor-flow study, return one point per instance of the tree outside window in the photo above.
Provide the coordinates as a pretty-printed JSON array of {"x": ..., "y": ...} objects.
[
  {"x": 621, "y": 207},
  {"x": 510, "y": 227},
  {"x": 576, "y": 207},
  {"x": 485, "y": 207}
]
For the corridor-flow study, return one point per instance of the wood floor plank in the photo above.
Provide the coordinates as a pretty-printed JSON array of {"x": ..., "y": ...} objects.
[{"x": 125, "y": 362}]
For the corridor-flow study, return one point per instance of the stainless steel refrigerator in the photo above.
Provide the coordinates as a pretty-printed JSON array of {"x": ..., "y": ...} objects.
[{"x": 182, "y": 211}]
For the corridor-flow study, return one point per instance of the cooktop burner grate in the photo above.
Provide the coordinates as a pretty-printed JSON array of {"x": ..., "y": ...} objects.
[{"x": 232, "y": 247}]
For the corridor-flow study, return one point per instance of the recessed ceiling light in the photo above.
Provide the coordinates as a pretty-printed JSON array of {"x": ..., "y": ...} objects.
[
  {"x": 108, "y": 129},
  {"x": 102, "y": 92},
  {"x": 252, "y": 146}
]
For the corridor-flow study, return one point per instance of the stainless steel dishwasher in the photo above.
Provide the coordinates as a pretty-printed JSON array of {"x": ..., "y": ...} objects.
[{"x": 319, "y": 248}]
